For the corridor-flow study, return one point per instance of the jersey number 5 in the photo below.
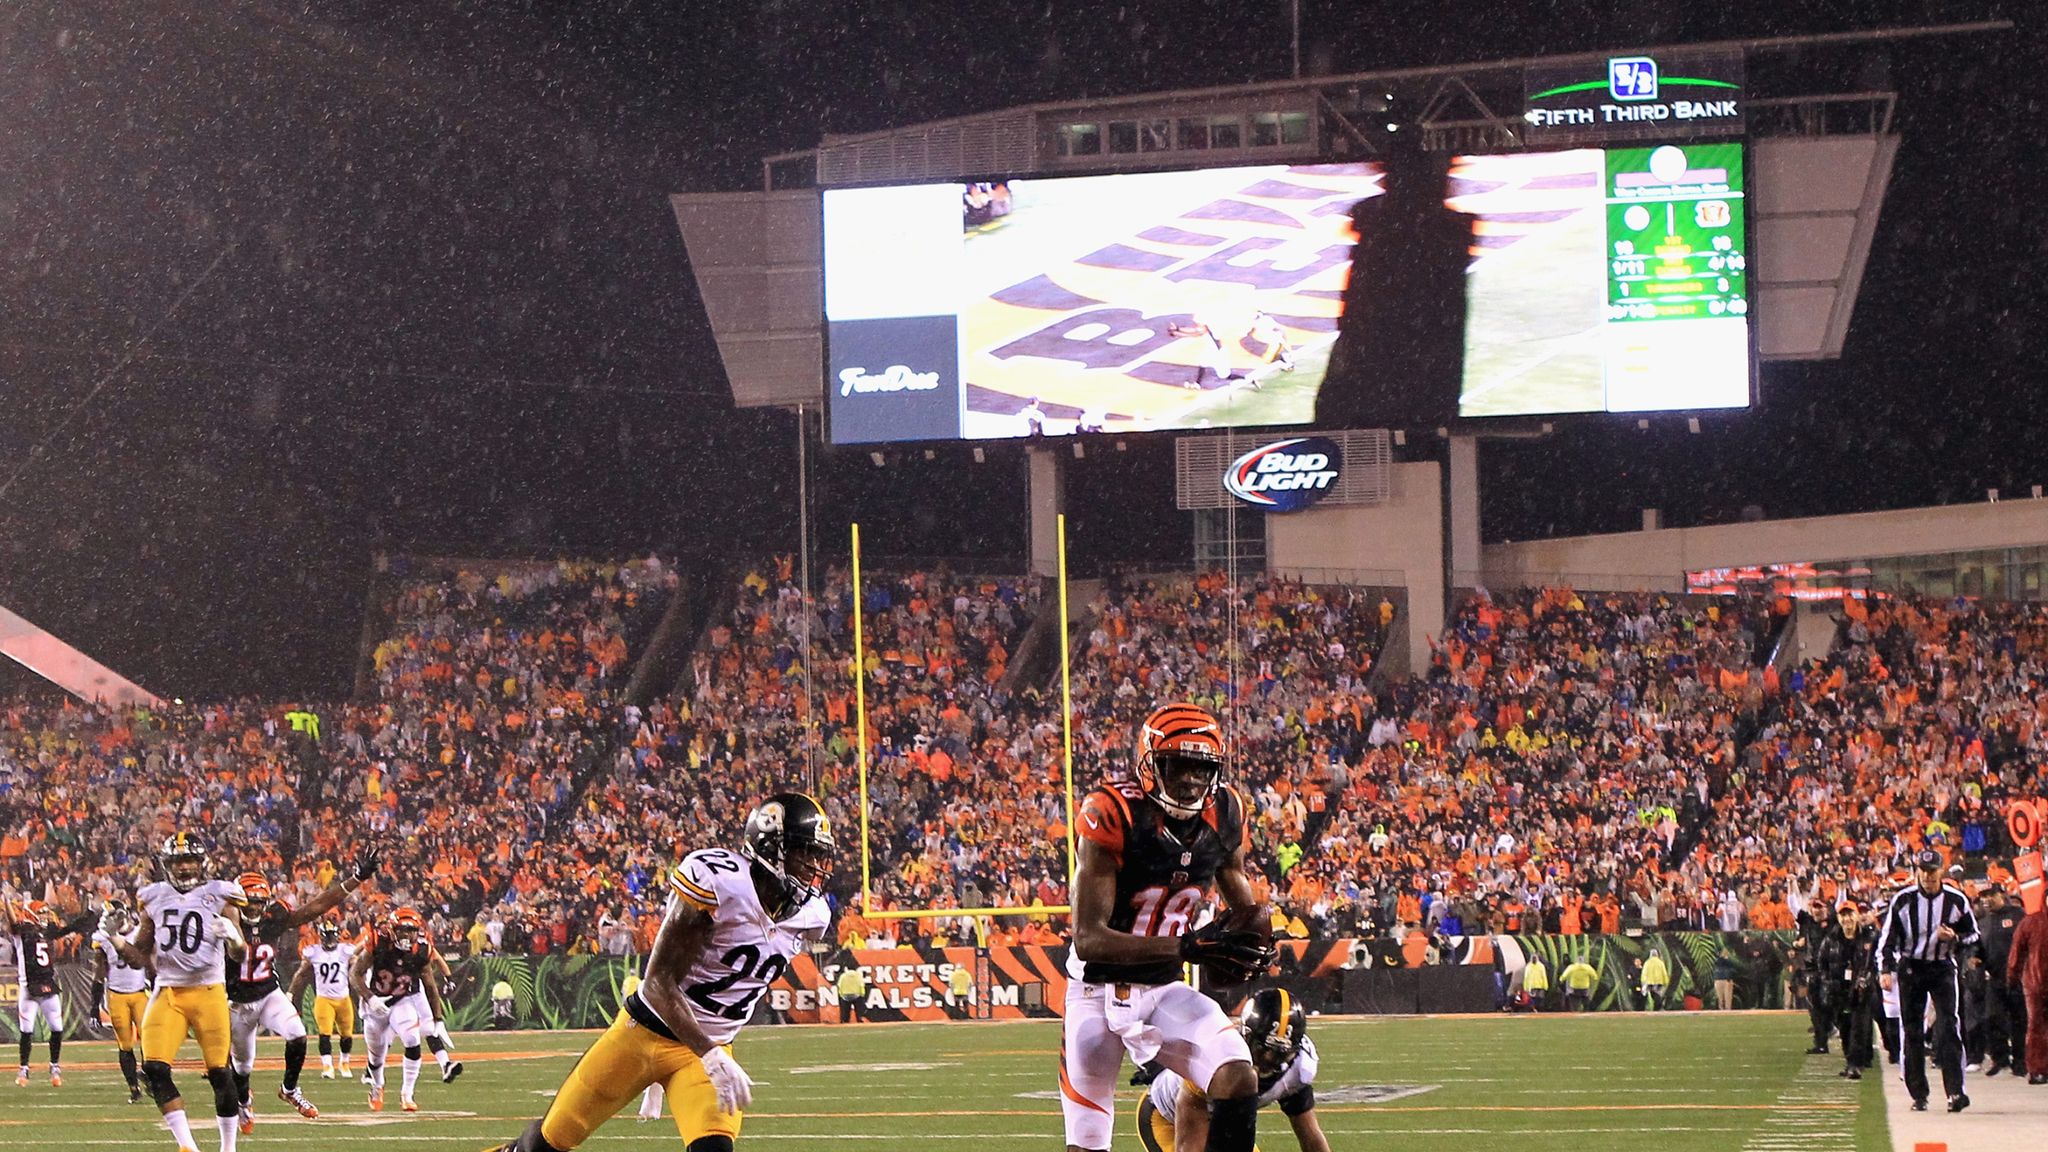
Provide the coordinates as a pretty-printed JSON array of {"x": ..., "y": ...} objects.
[{"x": 743, "y": 959}]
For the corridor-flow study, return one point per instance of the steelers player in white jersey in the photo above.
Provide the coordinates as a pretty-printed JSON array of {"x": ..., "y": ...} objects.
[
  {"x": 121, "y": 988},
  {"x": 733, "y": 922},
  {"x": 185, "y": 935},
  {"x": 325, "y": 966},
  {"x": 1174, "y": 1115}
]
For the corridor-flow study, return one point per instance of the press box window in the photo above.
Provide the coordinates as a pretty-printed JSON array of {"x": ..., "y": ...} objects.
[
  {"x": 1194, "y": 135},
  {"x": 1274, "y": 128},
  {"x": 1080, "y": 140},
  {"x": 1155, "y": 135},
  {"x": 1226, "y": 132},
  {"x": 1123, "y": 136}
]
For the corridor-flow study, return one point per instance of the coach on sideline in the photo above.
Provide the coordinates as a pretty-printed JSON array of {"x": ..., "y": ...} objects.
[{"x": 1924, "y": 925}]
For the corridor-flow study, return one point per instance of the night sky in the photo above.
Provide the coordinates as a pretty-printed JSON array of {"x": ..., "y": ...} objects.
[{"x": 413, "y": 283}]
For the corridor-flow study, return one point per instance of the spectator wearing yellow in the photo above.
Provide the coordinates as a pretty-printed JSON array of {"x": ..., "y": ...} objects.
[
  {"x": 1579, "y": 979},
  {"x": 1536, "y": 982},
  {"x": 1656, "y": 980}
]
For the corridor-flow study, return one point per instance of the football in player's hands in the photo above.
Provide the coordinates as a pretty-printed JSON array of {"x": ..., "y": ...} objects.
[
  {"x": 734, "y": 1087},
  {"x": 1233, "y": 948}
]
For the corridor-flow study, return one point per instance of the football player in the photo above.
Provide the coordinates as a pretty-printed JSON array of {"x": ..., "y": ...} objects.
[
  {"x": 1173, "y": 1116},
  {"x": 121, "y": 987},
  {"x": 732, "y": 924},
  {"x": 36, "y": 930},
  {"x": 325, "y": 966},
  {"x": 434, "y": 1029},
  {"x": 184, "y": 934},
  {"x": 1150, "y": 849},
  {"x": 255, "y": 1002},
  {"x": 390, "y": 978}
]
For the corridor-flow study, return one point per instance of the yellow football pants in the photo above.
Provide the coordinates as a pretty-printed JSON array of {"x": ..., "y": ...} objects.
[
  {"x": 201, "y": 1011},
  {"x": 623, "y": 1062},
  {"x": 124, "y": 1012}
]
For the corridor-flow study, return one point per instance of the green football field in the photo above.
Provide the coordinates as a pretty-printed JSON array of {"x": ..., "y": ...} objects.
[{"x": 1669, "y": 1083}]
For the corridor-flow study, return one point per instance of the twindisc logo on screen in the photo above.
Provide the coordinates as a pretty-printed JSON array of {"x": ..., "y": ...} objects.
[{"x": 1286, "y": 475}]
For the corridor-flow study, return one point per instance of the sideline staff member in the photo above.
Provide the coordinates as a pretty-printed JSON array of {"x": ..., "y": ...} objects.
[{"x": 1924, "y": 925}]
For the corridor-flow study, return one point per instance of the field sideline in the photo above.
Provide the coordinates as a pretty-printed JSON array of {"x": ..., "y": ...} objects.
[{"x": 1674, "y": 1082}]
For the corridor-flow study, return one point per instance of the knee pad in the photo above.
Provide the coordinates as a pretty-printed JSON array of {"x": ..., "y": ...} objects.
[
  {"x": 158, "y": 1075},
  {"x": 1234, "y": 1123},
  {"x": 413, "y": 1053},
  {"x": 227, "y": 1099},
  {"x": 348, "y": 1044},
  {"x": 719, "y": 1143},
  {"x": 326, "y": 1044}
]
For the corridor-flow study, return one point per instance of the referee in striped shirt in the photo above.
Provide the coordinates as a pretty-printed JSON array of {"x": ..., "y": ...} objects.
[{"x": 1924, "y": 925}]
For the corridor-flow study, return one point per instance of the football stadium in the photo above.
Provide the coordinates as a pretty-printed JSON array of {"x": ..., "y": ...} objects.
[{"x": 1184, "y": 579}]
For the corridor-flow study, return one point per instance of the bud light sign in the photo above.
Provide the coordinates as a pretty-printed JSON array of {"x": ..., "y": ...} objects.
[{"x": 1286, "y": 475}]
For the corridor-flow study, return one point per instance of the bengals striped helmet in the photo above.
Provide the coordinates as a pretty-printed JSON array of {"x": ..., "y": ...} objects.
[
  {"x": 406, "y": 920},
  {"x": 1180, "y": 758},
  {"x": 254, "y": 886}
]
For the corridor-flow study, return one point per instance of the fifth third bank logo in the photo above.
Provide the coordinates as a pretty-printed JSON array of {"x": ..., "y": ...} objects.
[{"x": 894, "y": 378}]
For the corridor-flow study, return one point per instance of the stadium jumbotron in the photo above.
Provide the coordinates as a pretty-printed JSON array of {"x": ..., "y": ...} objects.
[{"x": 1191, "y": 582}]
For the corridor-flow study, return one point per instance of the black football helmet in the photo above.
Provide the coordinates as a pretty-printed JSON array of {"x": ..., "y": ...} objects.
[
  {"x": 789, "y": 837},
  {"x": 183, "y": 860},
  {"x": 1274, "y": 1026}
]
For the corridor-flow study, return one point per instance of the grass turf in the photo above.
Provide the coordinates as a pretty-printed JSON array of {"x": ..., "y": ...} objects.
[{"x": 1670, "y": 1082}]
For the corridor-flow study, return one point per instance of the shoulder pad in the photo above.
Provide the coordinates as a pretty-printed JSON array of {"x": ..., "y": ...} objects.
[{"x": 702, "y": 877}]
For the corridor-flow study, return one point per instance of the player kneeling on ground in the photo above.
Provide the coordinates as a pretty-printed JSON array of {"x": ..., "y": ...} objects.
[
  {"x": 255, "y": 1002},
  {"x": 1149, "y": 852},
  {"x": 732, "y": 925},
  {"x": 1174, "y": 1117}
]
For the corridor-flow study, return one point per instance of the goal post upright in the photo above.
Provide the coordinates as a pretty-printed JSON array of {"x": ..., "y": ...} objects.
[{"x": 860, "y": 720}]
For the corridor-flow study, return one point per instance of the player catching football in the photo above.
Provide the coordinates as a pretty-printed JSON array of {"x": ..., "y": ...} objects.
[
  {"x": 1172, "y": 1116},
  {"x": 734, "y": 920},
  {"x": 1149, "y": 852}
]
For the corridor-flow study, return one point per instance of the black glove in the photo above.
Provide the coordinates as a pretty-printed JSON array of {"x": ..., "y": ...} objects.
[
  {"x": 1146, "y": 1073},
  {"x": 1227, "y": 955},
  {"x": 366, "y": 865}
]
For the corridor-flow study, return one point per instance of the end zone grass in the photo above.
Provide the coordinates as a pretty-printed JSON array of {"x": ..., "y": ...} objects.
[{"x": 1671, "y": 1082}]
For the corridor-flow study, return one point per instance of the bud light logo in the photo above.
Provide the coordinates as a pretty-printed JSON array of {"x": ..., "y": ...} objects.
[{"x": 1286, "y": 475}]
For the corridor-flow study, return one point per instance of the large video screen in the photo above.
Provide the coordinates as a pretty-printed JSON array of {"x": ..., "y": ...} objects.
[
  {"x": 1605, "y": 280},
  {"x": 1132, "y": 302}
]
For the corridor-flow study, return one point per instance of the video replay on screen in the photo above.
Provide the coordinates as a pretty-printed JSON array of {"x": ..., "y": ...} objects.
[
  {"x": 1049, "y": 307},
  {"x": 1605, "y": 280}
]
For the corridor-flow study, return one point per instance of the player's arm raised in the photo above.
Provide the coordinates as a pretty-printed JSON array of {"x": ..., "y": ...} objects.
[{"x": 337, "y": 892}]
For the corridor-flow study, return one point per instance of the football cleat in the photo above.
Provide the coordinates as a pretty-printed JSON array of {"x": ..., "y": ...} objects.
[
  {"x": 327, "y": 1073},
  {"x": 56, "y": 1078},
  {"x": 246, "y": 1121},
  {"x": 453, "y": 1070},
  {"x": 409, "y": 1104},
  {"x": 21, "y": 1079},
  {"x": 298, "y": 1101},
  {"x": 376, "y": 1098}
]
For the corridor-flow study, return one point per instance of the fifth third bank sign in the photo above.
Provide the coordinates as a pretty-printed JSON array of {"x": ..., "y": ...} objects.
[{"x": 1670, "y": 96}]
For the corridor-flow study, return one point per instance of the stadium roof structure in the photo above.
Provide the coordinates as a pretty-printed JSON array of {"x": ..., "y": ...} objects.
[{"x": 1822, "y": 162}]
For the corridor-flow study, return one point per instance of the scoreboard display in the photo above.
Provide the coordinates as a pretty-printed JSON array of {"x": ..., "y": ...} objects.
[{"x": 1605, "y": 280}]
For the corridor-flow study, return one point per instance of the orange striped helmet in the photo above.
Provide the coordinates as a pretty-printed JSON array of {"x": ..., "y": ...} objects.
[
  {"x": 408, "y": 919},
  {"x": 1180, "y": 758},
  {"x": 255, "y": 886}
]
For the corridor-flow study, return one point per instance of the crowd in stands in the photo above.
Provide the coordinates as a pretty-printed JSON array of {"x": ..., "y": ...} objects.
[{"x": 1560, "y": 761}]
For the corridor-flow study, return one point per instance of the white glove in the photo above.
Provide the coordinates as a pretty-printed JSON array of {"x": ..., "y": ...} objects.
[
  {"x": 734, "y": 1087},
  {"x": 230, "y": 934}
]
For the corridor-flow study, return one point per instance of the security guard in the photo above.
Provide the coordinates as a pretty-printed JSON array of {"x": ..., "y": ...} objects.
[{"x": 1924, "y": 925}]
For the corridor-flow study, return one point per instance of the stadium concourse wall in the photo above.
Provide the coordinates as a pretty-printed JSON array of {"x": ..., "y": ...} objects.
[
  {"x": 1340, "y": 975},
  {"x": 1657, "y": 559}
]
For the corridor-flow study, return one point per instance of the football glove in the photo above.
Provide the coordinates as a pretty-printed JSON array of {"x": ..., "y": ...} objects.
[
  {"x": 734, "y": 1087},
  {"x": 366, "y": 865},
  {"x": 1225, "y": 954}
]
